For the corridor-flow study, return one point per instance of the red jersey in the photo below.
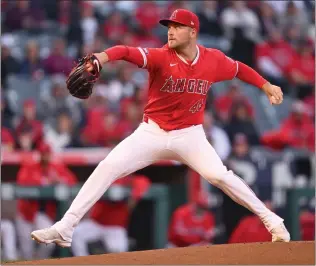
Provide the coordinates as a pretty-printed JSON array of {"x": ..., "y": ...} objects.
[
  {"x": 33, "y": 174},
  {"x": 186, "y": 228},
  {"x": 119, "y": 211},
  {"x": 250, "y": 229},
  {"x": 177, "y": 89}
]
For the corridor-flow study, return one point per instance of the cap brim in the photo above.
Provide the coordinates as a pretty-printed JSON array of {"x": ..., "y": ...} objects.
[{"x": 165, "y": 22}]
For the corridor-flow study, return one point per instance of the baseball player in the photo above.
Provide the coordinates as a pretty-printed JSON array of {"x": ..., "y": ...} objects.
[
  {"x": 180, "y": 75},
  {"x": 35, "y": 213},
  {"x": 192, "y": 224}
]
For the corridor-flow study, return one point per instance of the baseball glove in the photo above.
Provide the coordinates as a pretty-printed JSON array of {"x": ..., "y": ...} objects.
[{"x": 80, "y": 81}]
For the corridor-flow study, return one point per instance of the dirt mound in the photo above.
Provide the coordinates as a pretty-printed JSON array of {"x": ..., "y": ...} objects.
[{"x": 256, "y": 253}]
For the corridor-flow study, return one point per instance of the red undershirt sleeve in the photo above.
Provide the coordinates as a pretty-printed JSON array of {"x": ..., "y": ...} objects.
[
  {"x": 148, "y": 58},
  {"x": 130, "y": 54}
]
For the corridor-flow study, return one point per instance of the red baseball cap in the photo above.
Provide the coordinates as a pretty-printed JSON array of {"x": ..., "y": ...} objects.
[
  {"x": 44, "y": 148},
  {"x": 184, "y": 17}
]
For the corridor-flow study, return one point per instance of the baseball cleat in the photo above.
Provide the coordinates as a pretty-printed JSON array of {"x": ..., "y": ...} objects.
[
  {"x": 48, "y": 236},
  {"x": 280, "y": 234}
]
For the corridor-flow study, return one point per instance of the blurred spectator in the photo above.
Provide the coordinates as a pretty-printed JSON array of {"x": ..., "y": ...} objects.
[
  {"x": 88, "y": 23},
  {"x": 111, "y": 229},
  {"x": 309, "y": 102},
  {"x": 6, "y": 113},
  {"x": 34, "y": 214},
  {"x": 281, "y": 6},
  {"x": 59, "y": 100},
  {"x": 9, "y": 65},
  {"x": 251, "y": 229},
  {"x": 28, "y": 124},
  {"x": 268, "y": 18},
  {"x": 241, "y": 122},
  {"x": 209, "y": 19},
  {"x": 311, "y": 27},
  {"x": 176, "y": 4},
  {"x": 224, "y": 103},
  {"x": 302, "y": 69},
  {"x": 293, "y": 15},
  {"x": 70, "y": 17},
  {"x": 32, "y": 64},
  {"x": 238, "y": 15},
  {"x": 7, "y": 139},
  {"x": 292, "y": 35},
  {"x": 25, "y": 141},
  {"x": 114, "y": 27},
  {"x": 131, "y": 108},
  {"x": 58, "y": 62},
  {"x": 192, "y": 224},
  {"x": 8, "y": 240},
  {"x": 120, "y": 87},
  {"x": 273, "y": 58},
  {"x": 216, "y": 136},
  {"x": 147, "y": 15},
  {"x": 297, "y": 131},
  {"x": 107, "y": 133},
  {"x": 60, "y": 135},
  {"x": 23, "y": 16},
  {"x": 241, "y": 162},
  {"x": 145, "y": 38},
  {"x": 307, "y": 224}
]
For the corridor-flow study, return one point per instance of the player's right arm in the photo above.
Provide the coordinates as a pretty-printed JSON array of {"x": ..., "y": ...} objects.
[{"x": 147, "y": 58}]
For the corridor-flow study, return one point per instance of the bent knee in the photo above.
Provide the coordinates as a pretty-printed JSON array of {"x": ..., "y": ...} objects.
[{"x": 217, "y": 178}]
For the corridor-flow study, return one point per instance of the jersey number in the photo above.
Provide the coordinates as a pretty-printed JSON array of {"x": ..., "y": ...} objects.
[{"x": 197, "y": 106}]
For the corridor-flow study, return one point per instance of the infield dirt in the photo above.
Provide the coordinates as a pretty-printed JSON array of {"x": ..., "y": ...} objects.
[{"x": 253, "y": 253}]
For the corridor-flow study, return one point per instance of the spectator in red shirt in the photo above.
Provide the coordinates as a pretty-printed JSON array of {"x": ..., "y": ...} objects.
[
  {"x": 273, "y": 58},
  {"x": 58, "y": 62},
  {"x": 108, "y": 132},
  {"x": 307, "y": 222},
  {"x": 34, "y": 214},
  {"x": 191, "y": 224},
  {"x": 29, "y": 123},
  {"x": 223, "y": 104},
  {"x": 297, "y": 131},
  {"x": 147, "y": 15},
  {"x": 114, "y": 27},
  {"x": 144, "y": 38},
  {"x": 109, "y": 219},
  {"x": 250, "y": 229},
  {"x": 302, "y": 69}
]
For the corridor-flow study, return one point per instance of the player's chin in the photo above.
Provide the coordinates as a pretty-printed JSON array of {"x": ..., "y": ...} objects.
[{"x": 172, "y": 44}]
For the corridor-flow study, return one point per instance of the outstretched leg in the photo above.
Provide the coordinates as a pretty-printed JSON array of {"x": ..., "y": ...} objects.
[
  {"x": 197, "y": 152},
  {"x": 145, "y": 146}
]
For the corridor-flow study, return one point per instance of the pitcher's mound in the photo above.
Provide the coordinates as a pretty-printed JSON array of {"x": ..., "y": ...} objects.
[{"x": 252, "y": 253}]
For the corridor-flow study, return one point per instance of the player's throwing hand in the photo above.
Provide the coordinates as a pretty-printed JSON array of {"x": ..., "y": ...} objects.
[{"x": 274, "y": 93}]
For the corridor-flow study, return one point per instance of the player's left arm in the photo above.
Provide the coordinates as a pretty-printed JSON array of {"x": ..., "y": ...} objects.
[{"x": 228, "y": 69}]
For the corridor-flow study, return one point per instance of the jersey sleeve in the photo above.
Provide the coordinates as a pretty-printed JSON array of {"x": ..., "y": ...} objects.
[
  {"x": 227, "y": 68},
  {"x": 152, "y": 58}
]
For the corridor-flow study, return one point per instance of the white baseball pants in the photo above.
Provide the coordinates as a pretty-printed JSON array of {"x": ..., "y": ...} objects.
[
  {"x": 24, "y": 230},
  {"x": 149, "y": 144},
  {"x": 114, "y": 238},
  {"x": 8, "y": 239}
]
